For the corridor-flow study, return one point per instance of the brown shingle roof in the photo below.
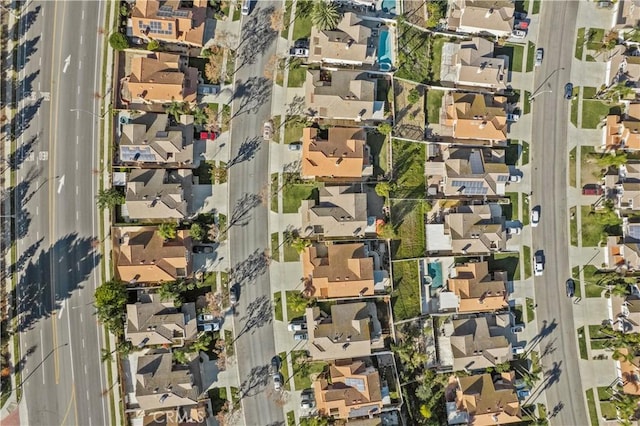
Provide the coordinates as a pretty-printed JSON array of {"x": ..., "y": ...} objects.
[{"x": 342, "y": 154}]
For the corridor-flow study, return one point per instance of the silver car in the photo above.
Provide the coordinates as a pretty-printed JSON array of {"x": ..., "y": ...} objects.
[
  {"x": 267, "y": 130},
  {"x": 277, "y": 381}
]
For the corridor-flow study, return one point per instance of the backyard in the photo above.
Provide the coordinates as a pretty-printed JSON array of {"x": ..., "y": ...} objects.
[
  {"x": 407, "y": 219},
  {"x": 410, "y": 117},
  {"x": 434, "y": 104},
  {"x": 379, "y": 146},
  {"x": 405, "y": 300},
  {"x": 414, "y": 61},
  {"x": 408, "y": 168}
]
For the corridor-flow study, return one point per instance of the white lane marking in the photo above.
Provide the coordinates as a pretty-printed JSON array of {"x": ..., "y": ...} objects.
[
  {"x": 81, "y": 317},
  {"x": 76, "y": 189},
  {"x": 61, "y": 309},
  {"x": 61, "y": 184},
  {"x": 77, "y": 216},
  {"x": 85, "y": 369},
  {"x": 76, "y": 164},
  {"x": 67, "y": 62},
  {"x": 37, "y": 210},
  {"x": 37, "y": 235},
  {"x": 78, "y": 90},
  {"x": 82, "y": 13},
  {"x": 80, "y": 65},
  {"x": 77, "y": 140},
  {"x": 81, "y": 36},
  {"x": 87, "y": 395},
  {"x": 40, "y": 61},
  {"x": 83, "y": 343},
  {"x": 38, "y": 86}
]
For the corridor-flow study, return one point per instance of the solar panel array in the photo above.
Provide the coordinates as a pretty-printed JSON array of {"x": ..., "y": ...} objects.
[
  {"x": 155, "y": 27},
  {"x": 134, "y": 153},
  {"x": 475, "y": 160},
  {"x": 471, "y": 187}
]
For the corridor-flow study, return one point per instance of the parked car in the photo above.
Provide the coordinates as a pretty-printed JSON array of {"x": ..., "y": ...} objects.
[
  {"x": 300, "y": 335},
  {"x": 517, "y": 350},
  {"x": 535, "y": 216},
  {"x": 514, "y": 230},
  {"x": 307, "y": 402},
  {"x": 518, "y": 34},
  {"x": 295, "y": 146},
  {"x": 202, "y": 249},
  {"x": 299, "y": 52},
  {"x": 297, "y": 326},
  {"x": 568, "y": 91},
  {"x": 538, "y": 263},
  {"x": 276, "y": 362},
  {"x": 518, "y": 328},
  {"x": 592, "y": 189},
  {"x": 267, "y": 130},
  {"x": 571, "y": 287},
  {"x": 246, "y": 7},
  {"x": 515, "y": 178},
  {"x": 539, "y": 56},
  {"x": 233, "y": 294},
  {"x": 513, "y": 117},
  {"x": 277, "y": 381},
  {"x": 301, "y": 42},
  {"x": 523, "y": 394},
  {"x": 520, "y": 15}
]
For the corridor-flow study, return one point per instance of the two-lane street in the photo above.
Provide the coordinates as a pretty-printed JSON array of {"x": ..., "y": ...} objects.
[
  {"x": 554, "y": 312},
  {"x": 57, "y": 220}
]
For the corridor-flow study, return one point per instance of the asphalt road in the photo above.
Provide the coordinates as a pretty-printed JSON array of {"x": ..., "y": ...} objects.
[
  {"x": 248, "y": 206},
  {"x": 554, "y": 313},
  {"x": 63, "y": 377}
]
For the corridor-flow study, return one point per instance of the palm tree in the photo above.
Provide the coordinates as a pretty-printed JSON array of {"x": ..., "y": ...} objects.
[
  {"x": 300, "y": 244},
  {"x": 109, "y": 198},
  {"x": 168, "y": 230},
  {"x": 325, "y": 15},
  {"x": 199, "y": 116},
  {"x": 175, "y": 109},
  {"x": 297, "y": 302},
  {"x": 106, "y": 355}
]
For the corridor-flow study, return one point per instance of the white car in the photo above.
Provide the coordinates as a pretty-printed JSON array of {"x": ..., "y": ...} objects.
[
  {"x": 517, "y": 350},
  {"x": 277, "y": 381},
  {"x": 514, "y": 230},
  {"x": 515, "y": 178},
  {"x": 297, "y": 326},
  {"x": 535, "y": 216},
  {"x": 246, "y": 7},
  {"x": 267, "y": 130},
  {"x": 538, "y": 264}
]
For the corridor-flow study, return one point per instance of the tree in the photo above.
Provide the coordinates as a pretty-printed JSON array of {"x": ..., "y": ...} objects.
[
  {"x": 435, "y": 13},
  {"x": 180, "y": 356},
  {"x": 300, "y": 244},
  {"x": 314, "y": 421},
  {"x": 615, "y": 160},
  {"x": 176, "y": 109},
  {"x": 106, "y": 355},
  {"x": 213, "y": 68},
  {"x": 199, "y": 116},
  {"x": 172, "y": 290},
  {"x": 202, "y": 344},
  {"x": 384, "y": 128},
  {"x": 325, "y": 15},
  {"x": 503, "y": 368},
  {"x": 296, "y": 301},
  {"x": 110, "y": 302},
  {"x": 425, "y": 411},
  {"x": 109, "y": 198},
  {"x": 168, "y": 230},
  {"x": 413, "y": 96},
  {"x": 383, "y": 189},
  {"x": 118, "y": 41},
  {"x": 197, "y": 232},
  {"x": 153, "y": 45}
]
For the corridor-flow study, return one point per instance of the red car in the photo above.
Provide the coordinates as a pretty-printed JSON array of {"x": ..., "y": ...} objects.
[{"x": 211, "y": 136}]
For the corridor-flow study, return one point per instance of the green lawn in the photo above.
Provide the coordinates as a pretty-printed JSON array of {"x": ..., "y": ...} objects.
[
  {"x": 286, "y": 18},
  {"x": 515, "y": 52},
  {"x": 290, "y": 253},
  {"x": 590, "y": 58},
  {"x": 525, "y": 153},
  {"x": 275, "y": 247},
  {"x": 573, "y": 226},
  {"x": 379, "y": 147},
  {"x": 572, "y": 167},
  {"x": 593, "y": 231},
  {"x": 436, "y": 57},
  {"x": 595, "y": 332},
  {"x": 413, "y": 54},
  {"x": 526, "y": 252},
  {"x": 536, "y": 7},
  {"x": 291, "y": 418},
  {"x": 531, "y": 56},
  {"x": 608, "y": 410},
  {"x": 274, "y": 192},
  {"x": 509, "y": 262},
  {"x": 582, "y": 343},
  {"x": 580, "y": 44},
  {"x": 277, "y": 306},
  {"x": 408, "y": 169},
  {"x": 434, "y": 104},
  {"x": 526, "y": 103},
  {"x": 294, "y": 193},
  {"x": 589, "y": 92},
  {"x": 526, "y": 210},
  {"x": 297, "y": 76},
  {"x": 405, "y": 300},
  {"x": 574, "y": 106},
  {"x": 591, "y": 404},
  {"x": 531, "y": 313},
  {"x": 517, "y": 312},
  {"x": 591, "y": 277},
  {"x": 598, "y": 343},
  {"x": 512, "y": 152},
  {"x": 303, "y": 369},
  {"x": 293, "y": 312},
  {"x": 284, "y": 369},
  {"x": 515, "y": 215},
  {"x": 302, "y": 27},
  {"x": 293, "y": 130},
  {"x": 407, "y": 219},
  {"x": 594, "y": 112},
  {"x": 596, "y": 39}
]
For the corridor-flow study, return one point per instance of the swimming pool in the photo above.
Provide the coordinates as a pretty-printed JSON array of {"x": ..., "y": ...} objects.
[
  {"x": 434, "y": 269},
  {"x": 385, "y": 60}
]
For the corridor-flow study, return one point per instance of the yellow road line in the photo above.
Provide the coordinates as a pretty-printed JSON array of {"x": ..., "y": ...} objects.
[{"x": 72, "y": 400}]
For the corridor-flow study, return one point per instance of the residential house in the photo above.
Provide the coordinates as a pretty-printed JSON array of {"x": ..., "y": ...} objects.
[
  {"x": 169, "y": 21},
  {"x": 481, "y": 17},
  {"x": 351, "y": 331},
  {"x": 352, "y": 42},
  {"x": 476, "y": 229},
  {"x": 350, "y": 389},
  {"x": 472, "y": 64},
  {"x": 629, "y": 320},
  {"x": 338, "y": 270},
  {"x": 159, "y": 194},
  {"x": 484, "y": 400},
  {"x": 339, "y": 212},
  {"x": 152, "y": 321},
  {"x": 480, "y": 342},
  {"x": 628, "y": 15},
  {"x": 347, "y": 95},
  {"x": 142, "y": 255},
  {"x": 623, "y": 66},
  {"x": 478, "y": 289},
  {"x": 160, "y": 78},
  {"x": 629, "y": 372},
  {"x": 162, "y": 384},
  {"x": 623, "y": 132},
  {"x": 149, "y": 140},
  {"x": 468, "y": 172},
  {"x": 476, "y": 116},
  {"x": 623, "y": 187},
  {"x": 342, "y": 152}
]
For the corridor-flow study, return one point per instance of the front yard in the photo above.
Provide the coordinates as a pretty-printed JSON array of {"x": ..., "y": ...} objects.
[
  {"x": 294, "y": 193},
  {"x": 304, "y": 370},
  {"x": 405, "y": 300},
  {"x": 509, "y": 262},
  {"x": 594, "y": 112},
  {"x": 596, "y": 225}
]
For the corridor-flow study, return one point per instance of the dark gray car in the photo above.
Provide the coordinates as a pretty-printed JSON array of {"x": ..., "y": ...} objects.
[
  {"x": 571, "y": 287},
  {"x": 568, "y": 91}
]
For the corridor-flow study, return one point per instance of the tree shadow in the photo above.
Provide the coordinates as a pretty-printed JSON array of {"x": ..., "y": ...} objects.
[
  {"x": 20, "y": 88},
  {"x": 246, "y": 152},
  {"x": 259, "y": 314},
  {"x": 545, "y": 331},
  {"x": 22, "y": 153},
  {"x": 52, "y": 277},
  {"x": 255, "y": 382},
  {"x": 552, "y": 375},
  {"x": 26, "y": 21},
  {"x": 258, "y": 36},
  {"x": 250, "y": 268},
  {"x": 28, "y": 48},
  {"x": 296, "y": 107},
  {"x": 241, "y": 210},
  {"x": 22, "y": 120},
  {"x": 253, "y": 93}
]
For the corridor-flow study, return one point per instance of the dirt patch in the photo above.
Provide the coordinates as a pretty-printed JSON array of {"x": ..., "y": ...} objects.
[
  {"x": 410, "y": 116},
  {"x": 415, "y": 11},
  {"x": 590, "y": 171}
]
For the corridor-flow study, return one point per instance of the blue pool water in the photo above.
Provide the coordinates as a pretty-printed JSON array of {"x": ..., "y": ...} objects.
[
  {"x": 434, "y": 269},
  {"x": 388, "y": 6},
  {"x": 385, "y": 61}
]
